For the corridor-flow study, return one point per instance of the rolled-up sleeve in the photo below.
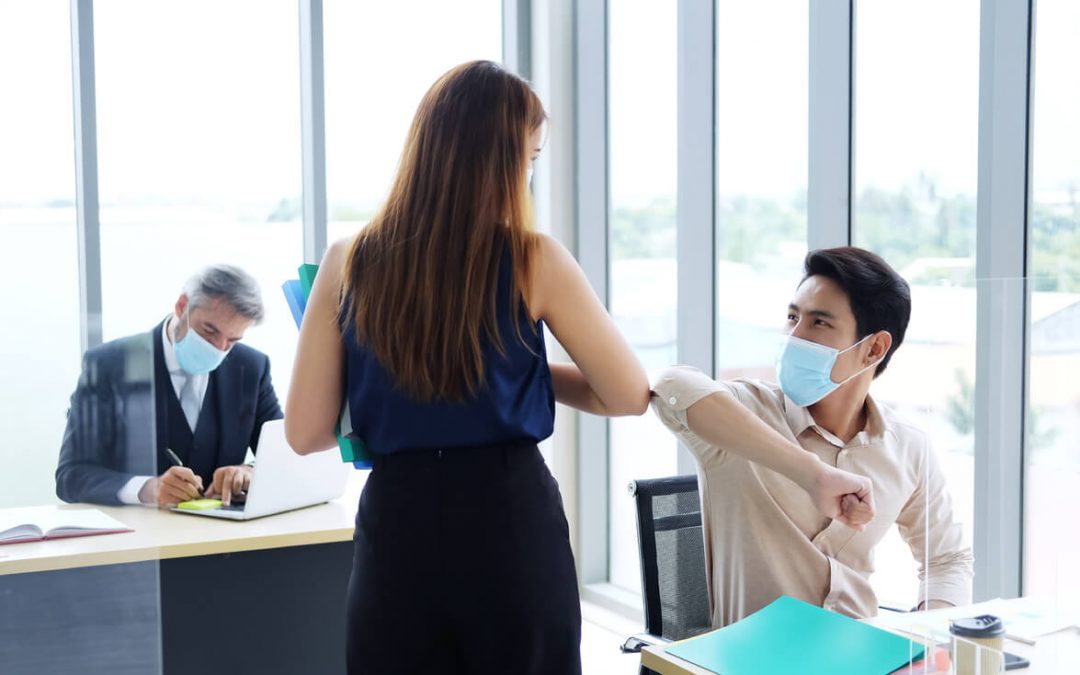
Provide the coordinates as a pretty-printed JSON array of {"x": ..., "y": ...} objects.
[
  {"x": 928, "y": 524},
  {"x": 674, "y": 390}
]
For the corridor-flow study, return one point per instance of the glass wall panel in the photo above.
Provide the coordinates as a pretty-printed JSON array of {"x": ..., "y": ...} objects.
[
  {"x": 762, "y": 84},
  {"x": 199, "y": 145},
  {"x": 380, "y": 59},
  {"x": 39, "y": 353}
]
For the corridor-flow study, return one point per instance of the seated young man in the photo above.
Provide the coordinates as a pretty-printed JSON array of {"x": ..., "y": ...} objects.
[{"x": 764, "y": 450}]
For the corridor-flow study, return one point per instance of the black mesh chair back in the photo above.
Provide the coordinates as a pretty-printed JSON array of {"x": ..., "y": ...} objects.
[{"x": 672, "y": 548}]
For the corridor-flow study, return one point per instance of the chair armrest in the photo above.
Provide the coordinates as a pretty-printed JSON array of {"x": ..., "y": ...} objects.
[{"x": 634, "y": 643}]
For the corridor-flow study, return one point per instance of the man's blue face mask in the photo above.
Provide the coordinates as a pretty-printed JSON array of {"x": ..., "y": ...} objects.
[
  {"x": 804, "y": 369},
  {"x": 195, "y": 355}
]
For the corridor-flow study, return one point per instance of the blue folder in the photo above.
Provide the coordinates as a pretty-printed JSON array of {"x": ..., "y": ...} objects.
[{"x": 295, "y": 297}]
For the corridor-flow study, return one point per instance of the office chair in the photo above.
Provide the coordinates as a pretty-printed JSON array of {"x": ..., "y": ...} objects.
[{"x": 671, "y": 545}]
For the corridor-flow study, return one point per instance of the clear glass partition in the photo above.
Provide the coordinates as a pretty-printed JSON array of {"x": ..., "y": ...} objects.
[
  {"x": 915, "y": 175},
  {"x": 1052, "y": 426},
  {"x": 642, "y": 242}
]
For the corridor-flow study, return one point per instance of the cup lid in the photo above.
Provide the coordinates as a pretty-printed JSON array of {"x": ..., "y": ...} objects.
[{"x": 983, "y": 626}]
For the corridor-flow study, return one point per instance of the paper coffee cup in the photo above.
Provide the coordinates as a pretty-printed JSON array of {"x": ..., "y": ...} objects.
[{"x": 977, "y": 645}]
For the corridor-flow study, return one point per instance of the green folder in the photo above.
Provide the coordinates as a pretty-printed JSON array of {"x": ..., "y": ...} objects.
[{"x": 791, "y": 636}]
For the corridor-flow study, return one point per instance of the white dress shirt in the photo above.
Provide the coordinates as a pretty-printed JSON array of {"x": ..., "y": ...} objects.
[{"x": 129, "y": 494}]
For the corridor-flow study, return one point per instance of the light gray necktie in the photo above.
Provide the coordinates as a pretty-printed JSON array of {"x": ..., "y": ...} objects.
[{"x": 189, "y": 403}]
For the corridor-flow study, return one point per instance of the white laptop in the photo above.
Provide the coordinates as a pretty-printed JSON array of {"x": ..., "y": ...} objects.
[{"x": 283, "y": 480}]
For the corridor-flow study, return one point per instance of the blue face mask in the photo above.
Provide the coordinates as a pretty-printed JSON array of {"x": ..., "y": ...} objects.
[
  {"x": 804, "y": 369},
  {"x": 195, "y": 355}
]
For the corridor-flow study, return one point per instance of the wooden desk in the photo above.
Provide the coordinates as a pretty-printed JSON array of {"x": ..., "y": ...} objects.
[
  {"x": 1056, "y": 654},
  {"x": 161, "y": 535},
  {"x": 183, "y": 594}
]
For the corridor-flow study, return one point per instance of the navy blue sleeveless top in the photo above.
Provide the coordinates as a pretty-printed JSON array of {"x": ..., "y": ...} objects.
[{"x": 517, "y": 402}]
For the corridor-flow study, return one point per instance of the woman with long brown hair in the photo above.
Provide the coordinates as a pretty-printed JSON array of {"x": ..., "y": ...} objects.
[{"x": 430, "y": 321}]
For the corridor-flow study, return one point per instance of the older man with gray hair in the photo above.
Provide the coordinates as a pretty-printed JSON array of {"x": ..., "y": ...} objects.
[{"x": 211, "y": 396}]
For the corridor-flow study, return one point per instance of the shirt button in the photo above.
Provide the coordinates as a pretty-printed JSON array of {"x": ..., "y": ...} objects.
[{"x": 672, "y": 400}]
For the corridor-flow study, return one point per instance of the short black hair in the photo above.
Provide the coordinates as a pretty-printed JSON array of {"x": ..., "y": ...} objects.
[{"x": 880, "y": 299}]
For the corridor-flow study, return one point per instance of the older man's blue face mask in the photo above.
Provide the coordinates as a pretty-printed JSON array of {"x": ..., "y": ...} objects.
[{"x": 195, "y": 354}]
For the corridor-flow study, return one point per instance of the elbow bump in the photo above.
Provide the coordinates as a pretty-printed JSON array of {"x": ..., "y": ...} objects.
[{"x": 631, "y": 407}]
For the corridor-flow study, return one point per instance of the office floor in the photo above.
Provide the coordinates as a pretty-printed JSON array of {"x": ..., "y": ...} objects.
[{"x": 601, "y": 634}]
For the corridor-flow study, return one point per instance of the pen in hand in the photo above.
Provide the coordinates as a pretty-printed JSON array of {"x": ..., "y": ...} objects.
[
  {"x": 173, "y": 457},
  {"x": 176, "y": 462}
]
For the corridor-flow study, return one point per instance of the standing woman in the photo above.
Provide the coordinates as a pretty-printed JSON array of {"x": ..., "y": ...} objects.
[{"x": 431, "y": 321}]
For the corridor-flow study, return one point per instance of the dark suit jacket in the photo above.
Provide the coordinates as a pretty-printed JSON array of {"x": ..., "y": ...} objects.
[{"x": 118, "y": 422}]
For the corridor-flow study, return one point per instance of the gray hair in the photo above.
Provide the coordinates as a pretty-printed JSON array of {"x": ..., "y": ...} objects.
[{"x": 228, "y": 283}]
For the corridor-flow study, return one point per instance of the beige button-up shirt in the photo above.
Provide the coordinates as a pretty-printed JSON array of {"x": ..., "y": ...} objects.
[{"x": 763, "y": 536}]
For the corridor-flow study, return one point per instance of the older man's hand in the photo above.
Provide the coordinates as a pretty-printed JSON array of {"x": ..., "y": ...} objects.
[{"x": 229, "y": 481}]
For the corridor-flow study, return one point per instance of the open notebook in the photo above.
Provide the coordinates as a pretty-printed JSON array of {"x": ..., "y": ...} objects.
[{"x": 36, "y": 523}]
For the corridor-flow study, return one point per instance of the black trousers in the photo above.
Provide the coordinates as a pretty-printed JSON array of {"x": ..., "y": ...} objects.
[{"x": 462, "y": 564}]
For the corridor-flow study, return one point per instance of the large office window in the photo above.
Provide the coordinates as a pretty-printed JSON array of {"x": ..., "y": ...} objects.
[
  {"x": 643, "y": 293},
  {"x": 1052, "y": 454},
  {"x": 915, "y": 175},
  {"x": 761, "y": 178},
  {"x": 39, "y": 350},
  {"x": 199, "y": 154},
  {"x": 380, "y": 59}
]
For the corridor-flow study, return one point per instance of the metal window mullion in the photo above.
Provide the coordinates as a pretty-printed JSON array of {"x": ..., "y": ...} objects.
[
  {"x": 517, "y": 32},
  {"x": 87, "y": 206},
  {"x": 593, "y": 199},
  {"x": 313, "y": 130},
  {"x": 1004, "y": 142},
  {"x": 695, "y": 203},
  {"x": 831, "y": 90}
]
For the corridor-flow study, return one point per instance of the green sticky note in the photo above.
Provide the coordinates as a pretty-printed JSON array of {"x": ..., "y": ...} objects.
[
  {"x": 791, "y": 636},
  {"x": 307, "y": 273},
  {"x": 200, "y": 504}
]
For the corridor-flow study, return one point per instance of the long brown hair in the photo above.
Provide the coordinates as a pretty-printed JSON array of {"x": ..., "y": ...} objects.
[{"x": 421, "y": 279}]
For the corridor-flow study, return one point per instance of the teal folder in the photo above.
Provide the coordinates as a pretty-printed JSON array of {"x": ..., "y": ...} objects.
[
  {"x": 791, "y": 636},
  {"x": 352, "y": 447}
]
